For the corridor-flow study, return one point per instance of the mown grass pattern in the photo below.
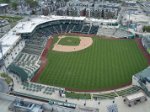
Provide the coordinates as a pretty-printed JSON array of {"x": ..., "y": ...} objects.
[
  {"x": 105, "y": 64},
  {"x": 70, "y": 41}
]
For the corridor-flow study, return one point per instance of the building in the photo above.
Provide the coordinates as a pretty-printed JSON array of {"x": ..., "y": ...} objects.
[
  {"x": 49, "y": 7},
  {"x": 3, "y": 8},
  {"x": 145, "y": 6},
  {"x": 135, "y": 98},
  {"x": 95, "y": 9},
  {"x": 19, "y": 105}
]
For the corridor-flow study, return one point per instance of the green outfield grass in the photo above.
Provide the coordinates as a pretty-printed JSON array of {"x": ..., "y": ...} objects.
[
  {"x": 70, "y": 41},
  {"x": 105, "y": 64}
]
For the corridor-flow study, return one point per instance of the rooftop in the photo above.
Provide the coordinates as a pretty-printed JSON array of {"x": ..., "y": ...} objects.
[
  {"x": 135, "y": 96},
  {"x": 3, "y": 4}
]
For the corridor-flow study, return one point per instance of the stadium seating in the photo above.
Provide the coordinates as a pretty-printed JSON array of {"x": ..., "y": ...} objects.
[
  {"x": 146, "y": 43},
  {"x": 69, "y": 28},
  {"x": 32, "y": 87},
  {"x": 57, "y": 28},
  {"x": 64, "y": 27},
  {"x": 52, "y": 29},
  {"x": 121, "y": 33},
  {"x": 28, "y": 58},
  {"x": 112, "y": 95},
  {"x": 27, "y": 62},
  {"x": 49, "y": 90},
  {"x": 77, "y": 28},
  {"x": 85, "y": 29},
  {"x": 38, "y": 88},
  {"x": 113, "y": 32},
  {"x": 106, "y": 31},
  {"x": 94, "y": 30},
  {"x": 128, "y": 91}
]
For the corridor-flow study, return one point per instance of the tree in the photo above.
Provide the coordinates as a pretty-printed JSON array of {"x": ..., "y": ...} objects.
[
  {"x": 14, "y": 5},
  {"x": 32, "y": 3},
  {"x": 146, "y": 28},
  {"x": 4, "y": 1}
]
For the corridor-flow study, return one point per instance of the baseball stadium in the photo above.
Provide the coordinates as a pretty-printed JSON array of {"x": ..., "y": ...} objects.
[{"x": 75, "y": 55}]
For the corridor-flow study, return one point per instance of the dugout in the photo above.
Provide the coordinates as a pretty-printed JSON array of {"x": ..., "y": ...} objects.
[{"x": 134, "y": 99}]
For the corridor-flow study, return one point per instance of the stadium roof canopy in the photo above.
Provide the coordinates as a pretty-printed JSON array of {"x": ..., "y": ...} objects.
[
  {"x": 3, "y": 4},
  {"x": 13, "y": 36},
  {"x": 135, "y": 96}
]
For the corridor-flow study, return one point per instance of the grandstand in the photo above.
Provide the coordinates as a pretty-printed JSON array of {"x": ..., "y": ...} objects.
[
  {"x": 114, "y": 32},
  {"x": 112, "y": 95},
  {"x": 146, "y": 43},
  {"x": 94, "y": 29},
  {"x": 106, "y": 31},
  {"x": 28, "y": 59}
]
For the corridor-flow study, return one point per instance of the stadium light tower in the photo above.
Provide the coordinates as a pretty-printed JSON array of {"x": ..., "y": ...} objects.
[{"x": 1, "y": 51}]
